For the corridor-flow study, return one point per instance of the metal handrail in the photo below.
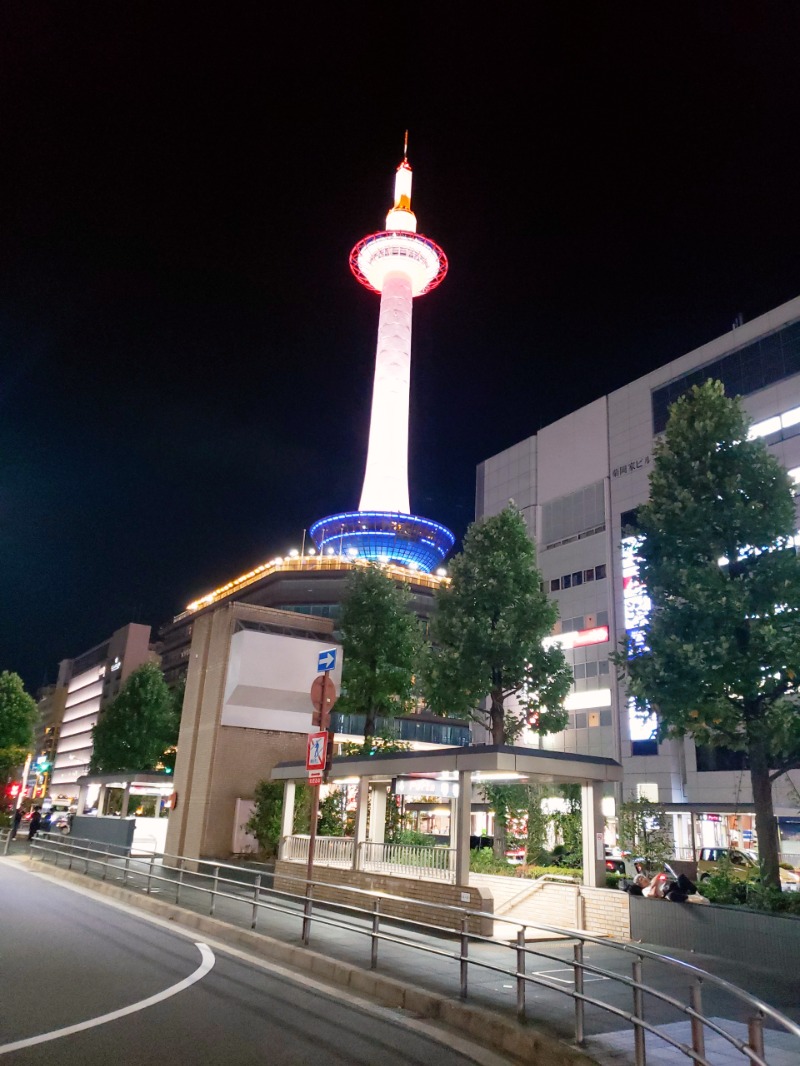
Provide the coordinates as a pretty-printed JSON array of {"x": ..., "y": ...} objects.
[{"x": 753, "y": 1049}]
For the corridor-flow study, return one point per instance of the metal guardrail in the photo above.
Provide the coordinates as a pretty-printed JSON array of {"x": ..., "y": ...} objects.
[
  {"x": 328, "y": 851},
  {"x": 210, "y": 879},
  {"x": 408, "y": 860}
]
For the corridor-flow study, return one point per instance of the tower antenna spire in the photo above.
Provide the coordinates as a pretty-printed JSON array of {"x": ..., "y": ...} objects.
[{"x": 405, "y": 148}]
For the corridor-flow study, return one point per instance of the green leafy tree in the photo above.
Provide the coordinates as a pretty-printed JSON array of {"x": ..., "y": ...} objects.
[
  {"x": 719, "y": 657},
  {"x": 382, "y": 641},
  {"x": 138, "y": 727},
  {"x": 487, "y": 635},
  {"x": 643, "y": 828},
  {"x": 509, "y": 804},
  {"x": 18, "y": 714},
  {"x": 265, "y": 821}
]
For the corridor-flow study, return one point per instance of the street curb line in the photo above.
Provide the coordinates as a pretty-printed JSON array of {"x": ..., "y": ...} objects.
[{"x": 486, "y": 1028}]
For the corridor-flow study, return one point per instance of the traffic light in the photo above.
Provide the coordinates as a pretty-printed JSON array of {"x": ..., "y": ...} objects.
[{"x": 12, "y": 789}]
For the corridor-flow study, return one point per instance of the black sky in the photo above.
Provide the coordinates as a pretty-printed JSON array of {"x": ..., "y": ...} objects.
[{"x": 186, "y": 360}]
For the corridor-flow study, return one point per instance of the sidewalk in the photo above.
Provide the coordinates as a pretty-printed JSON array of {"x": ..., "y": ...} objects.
[{"x": 549, "y": 1006}]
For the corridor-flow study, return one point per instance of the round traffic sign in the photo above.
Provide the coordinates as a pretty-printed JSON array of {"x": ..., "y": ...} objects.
[{"x": 323, "y": 693}]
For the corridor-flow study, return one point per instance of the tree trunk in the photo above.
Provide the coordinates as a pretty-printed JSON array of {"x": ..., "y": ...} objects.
[
  {"x": 766, "y": 822},
  {"x": 497, "y": 714},
  {"x": 500, "y": 836},
  {"x": 369, "y": 724}
]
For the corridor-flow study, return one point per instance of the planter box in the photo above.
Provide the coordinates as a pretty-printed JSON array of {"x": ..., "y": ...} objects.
[{"x": 734, "y": 933}]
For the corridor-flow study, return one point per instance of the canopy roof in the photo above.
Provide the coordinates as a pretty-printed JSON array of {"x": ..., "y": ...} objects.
[{"x": 490, "y": 762}]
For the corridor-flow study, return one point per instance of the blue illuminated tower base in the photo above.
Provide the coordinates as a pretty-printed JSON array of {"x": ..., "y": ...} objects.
[{"x": 381, "y": 536}]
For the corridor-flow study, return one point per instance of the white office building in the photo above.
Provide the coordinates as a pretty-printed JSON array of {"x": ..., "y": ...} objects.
[{"x": 578, "y": 483}]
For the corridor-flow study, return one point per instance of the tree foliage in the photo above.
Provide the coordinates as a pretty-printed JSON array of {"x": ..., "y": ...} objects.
[
  {"x": 488, "y": 630},
  {"x": 644, "y": 829},
  {"x": 18, "y": 714},
  {"x": 265, "y": 821},
  {"x": 719, "y": 656},
  {"x": 138, "y": 726},
  {"x": 382, "y": 641}
]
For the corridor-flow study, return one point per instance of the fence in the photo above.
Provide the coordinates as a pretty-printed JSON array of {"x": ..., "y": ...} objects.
[
  {"x": 401, "y": 860},
  {"x": 215, "y": 881}
]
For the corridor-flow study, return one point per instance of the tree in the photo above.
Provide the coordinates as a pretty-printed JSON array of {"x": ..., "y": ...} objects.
[
  {"x": 487, "y": 634},
  {"x": 265, "y": 821},
  {"x": 643, "y": 828},
  {"x": 381, "y": 639},
  {"x": 138, "y": 727},
  {"x": 719, "y": 655},
  {"x": 18, "y": 714}
]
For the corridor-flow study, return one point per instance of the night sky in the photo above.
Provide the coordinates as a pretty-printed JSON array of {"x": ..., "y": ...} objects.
[{"x": 187, "y": 362}]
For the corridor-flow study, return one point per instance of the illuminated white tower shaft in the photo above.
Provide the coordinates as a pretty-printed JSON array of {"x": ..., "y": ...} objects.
[
  {"x": 386, "y": 478},
  {"x": 399, "y": 264}
]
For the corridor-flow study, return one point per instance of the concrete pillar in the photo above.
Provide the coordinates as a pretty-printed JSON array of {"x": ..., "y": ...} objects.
[
  {"x": 360, "y": 828},
  {"x": 464, "y": 811},
  {"x": 101, "y": 800},
  {"x": 453, "y": 821},
  {"x": 287, "y": 815},
  {"x": 126, "y": 799},
  {"x": 594, "y": 865},
  {"x": 377, "y": 814},
  {"x": 83, "y": 792}
]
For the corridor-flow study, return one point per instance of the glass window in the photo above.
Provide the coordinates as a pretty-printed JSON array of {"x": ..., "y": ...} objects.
[
  {"x": 591, "y": 669},
  {"x": 602, "y": 618},
  {"x": 588, "y": 575},
  {"x": 577, "y": 577},
  {"x": 579, "y": 670},
  {"x": 555, "y": 584},
  {"x": 566, "y": 581},
  {"x": 602, "y": 667},
  {"x": 600, "y": 572}
]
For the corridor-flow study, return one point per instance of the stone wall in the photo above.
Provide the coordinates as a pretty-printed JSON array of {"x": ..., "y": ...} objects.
[
  {"x": 413, "y": 890},
  {"x": 606, "y": 912}
]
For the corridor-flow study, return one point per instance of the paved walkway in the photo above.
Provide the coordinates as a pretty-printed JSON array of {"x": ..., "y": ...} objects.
[{"x": 346, "y": 936}]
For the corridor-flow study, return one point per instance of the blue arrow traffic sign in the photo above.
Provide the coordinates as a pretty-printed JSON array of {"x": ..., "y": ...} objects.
[{"x": 327, "y": 660}]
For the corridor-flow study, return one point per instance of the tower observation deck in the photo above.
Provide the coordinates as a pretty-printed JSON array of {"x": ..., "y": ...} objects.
[{"x": 399, "y": 264}]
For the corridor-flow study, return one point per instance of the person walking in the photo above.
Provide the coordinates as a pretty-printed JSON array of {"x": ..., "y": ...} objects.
[
  {"x": 17, "y": 820},
  {"x": 36, "y": 821}
]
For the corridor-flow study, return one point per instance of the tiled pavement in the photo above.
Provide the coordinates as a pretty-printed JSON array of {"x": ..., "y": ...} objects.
[{"x": 616, "y": 1049}]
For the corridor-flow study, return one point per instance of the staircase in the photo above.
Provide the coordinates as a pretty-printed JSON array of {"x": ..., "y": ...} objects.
[{"x": 548, "y": 901}]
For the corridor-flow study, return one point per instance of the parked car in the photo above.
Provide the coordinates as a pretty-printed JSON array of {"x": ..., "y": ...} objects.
[
  {"x": 622, "y": 862},
  {"x": 742, "y": 865}
]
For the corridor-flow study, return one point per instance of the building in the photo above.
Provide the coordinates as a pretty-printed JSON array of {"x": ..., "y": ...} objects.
[
  {"x": 401, "y": 265},
  {"x": 89, "y": 683},
  {"x": 50, "y": 701},
  {"x": 578, "y": 483}
]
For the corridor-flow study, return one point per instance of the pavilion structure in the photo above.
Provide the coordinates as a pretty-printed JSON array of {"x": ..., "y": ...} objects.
[{"x": 452, "y": 772}]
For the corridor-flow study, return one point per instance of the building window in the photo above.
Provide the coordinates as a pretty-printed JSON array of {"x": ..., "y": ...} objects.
[
  {"x": 602, "y": 667},
  {"x": 555, "y": 584},
  {"x": 588, "y": 575},
  {"x": 602, "y": 618},
  {"x": 577, "y": 577},
  {"x": 566, "y": 581},
  {"x": 579, "y": 670},
  {"x": 600, "y": 572}
]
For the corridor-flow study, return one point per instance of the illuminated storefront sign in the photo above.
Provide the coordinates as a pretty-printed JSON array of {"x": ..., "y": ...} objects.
[{"x": 636, "y": 609}]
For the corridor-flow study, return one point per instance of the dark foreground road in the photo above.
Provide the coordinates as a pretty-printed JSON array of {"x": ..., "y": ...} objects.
[{"x": 68, "y": 960}]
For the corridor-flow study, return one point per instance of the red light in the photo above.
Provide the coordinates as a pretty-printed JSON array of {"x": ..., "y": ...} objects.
[
  {"x": 12, "y": 790},
  {"x": 598, "y": 635}
]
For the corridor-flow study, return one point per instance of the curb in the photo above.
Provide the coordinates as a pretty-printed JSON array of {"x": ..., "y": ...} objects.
[{"x": 486, "y": 1028}]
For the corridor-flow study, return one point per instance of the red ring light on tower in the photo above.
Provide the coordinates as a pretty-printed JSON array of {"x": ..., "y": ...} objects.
[{"x": 430, "y": 251}]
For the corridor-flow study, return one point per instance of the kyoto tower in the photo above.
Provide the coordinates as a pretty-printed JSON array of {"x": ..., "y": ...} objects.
[{"x": 400, "y": 264}]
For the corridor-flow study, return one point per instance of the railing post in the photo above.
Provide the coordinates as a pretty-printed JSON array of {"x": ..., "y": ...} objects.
[
  {"x": 179, "y": 882},
  {"x": 521, "y": 973},
  {"x": 577, "y": 956},
  {"x": 150, "y": 875},
  {"x": 307, "y": 909},
  {"x": 464, "y": 956},
  {"x": 376, "y": 928},
  {"x": 105, "y": 865},
  {"x": 755, "y": 1034},
  {"x": 256, "y": 894},
  {"x": 86, "y": 859},
  {"x": 698, "y": 1032},
  {"x": 127, "y": 869},
  {"x": 7, "y": 843},
  {"x": 214, "y": 891},
  {"x": 639, "y": 1050},
  {"x": 71, "y": 853}
]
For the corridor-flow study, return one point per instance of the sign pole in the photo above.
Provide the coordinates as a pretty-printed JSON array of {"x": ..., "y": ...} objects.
[{"x": 312, "y": 842}]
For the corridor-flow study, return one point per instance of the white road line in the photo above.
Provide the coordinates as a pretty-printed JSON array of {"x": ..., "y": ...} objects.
[{"x": 208, "y": 961}]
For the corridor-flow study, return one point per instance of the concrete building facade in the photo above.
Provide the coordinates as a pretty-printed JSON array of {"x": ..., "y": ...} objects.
[
  {"x": 87, "y": 684},
  {"x": 578, "y": 483}
]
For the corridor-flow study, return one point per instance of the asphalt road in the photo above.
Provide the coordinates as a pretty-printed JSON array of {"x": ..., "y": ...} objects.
[{"x": 67, "y": 959}]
